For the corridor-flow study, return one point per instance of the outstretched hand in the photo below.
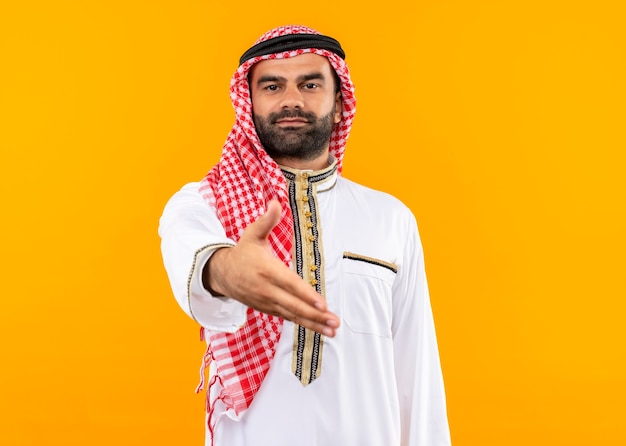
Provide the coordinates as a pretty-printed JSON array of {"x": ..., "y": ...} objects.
[{"x": 250, "y": 273}]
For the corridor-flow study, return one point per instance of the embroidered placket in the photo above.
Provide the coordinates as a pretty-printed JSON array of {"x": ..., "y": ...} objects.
[{"x": 307, "y": 344}]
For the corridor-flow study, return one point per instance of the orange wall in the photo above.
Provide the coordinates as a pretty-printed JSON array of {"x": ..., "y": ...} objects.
[{"x": 501, "y": 124}]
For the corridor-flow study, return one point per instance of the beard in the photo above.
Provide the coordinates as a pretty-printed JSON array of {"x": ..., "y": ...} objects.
[{"x": 304, "y": 142}]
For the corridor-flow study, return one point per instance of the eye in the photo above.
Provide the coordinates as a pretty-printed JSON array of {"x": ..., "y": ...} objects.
[
  {"x": 271, "y": 87},
  {"x": 310, "y": 86}
]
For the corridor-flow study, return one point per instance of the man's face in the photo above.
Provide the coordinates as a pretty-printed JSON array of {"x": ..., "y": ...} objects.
[{"x": 295, "y": 106}]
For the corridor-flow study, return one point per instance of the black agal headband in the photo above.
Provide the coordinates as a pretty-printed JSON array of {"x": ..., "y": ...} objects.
[{"x": 293, "y": 42}]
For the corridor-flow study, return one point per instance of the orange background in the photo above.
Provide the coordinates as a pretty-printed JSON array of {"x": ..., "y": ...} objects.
[{"x": 500, "y": 123}]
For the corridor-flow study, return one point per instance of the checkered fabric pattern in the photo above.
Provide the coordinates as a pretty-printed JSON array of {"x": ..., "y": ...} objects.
[{"x": 239, "y": 188}]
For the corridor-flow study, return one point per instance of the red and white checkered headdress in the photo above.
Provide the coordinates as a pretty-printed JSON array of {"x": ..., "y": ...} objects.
[{"x": 239, "y": 187}]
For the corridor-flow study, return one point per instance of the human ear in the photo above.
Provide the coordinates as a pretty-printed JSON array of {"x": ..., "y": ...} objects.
[{"x": 338, "y": 107}]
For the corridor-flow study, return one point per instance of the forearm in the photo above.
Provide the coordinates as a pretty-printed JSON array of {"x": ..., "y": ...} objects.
[{"x": 190, "y": 233}]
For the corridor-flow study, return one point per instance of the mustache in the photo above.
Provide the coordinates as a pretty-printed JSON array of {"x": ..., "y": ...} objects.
[{"x": 274, "y": 117}]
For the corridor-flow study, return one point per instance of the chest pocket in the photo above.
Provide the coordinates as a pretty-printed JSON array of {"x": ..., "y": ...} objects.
[{"x": 366, "y": 289}]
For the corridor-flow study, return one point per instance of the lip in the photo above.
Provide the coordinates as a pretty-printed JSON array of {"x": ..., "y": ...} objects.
[{"x": 288, "y": 122}]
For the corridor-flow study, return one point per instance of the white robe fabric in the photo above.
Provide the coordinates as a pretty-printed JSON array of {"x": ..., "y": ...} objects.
[{"x": 381, "y": 382}]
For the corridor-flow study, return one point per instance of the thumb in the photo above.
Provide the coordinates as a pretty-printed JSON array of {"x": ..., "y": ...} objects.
[{"x": 262, "y": 227}]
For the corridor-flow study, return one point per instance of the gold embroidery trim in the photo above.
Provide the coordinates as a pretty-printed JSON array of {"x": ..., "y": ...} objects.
[{"x": 389, "y": 265}]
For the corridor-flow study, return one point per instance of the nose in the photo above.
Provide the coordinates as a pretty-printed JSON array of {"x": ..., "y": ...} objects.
[{"x": 292, "y": 98}]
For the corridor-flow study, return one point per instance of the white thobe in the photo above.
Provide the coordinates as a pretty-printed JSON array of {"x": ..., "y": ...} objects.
[{"x": 381, "y": 382}]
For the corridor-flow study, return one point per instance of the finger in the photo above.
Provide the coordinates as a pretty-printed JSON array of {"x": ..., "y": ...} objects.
[
  {"x": 291, "y": 292},
  {"x": 312, "y": 324},
  {"x": 296, "y": 310},
  {"x": 292, "y": 283},
  {"x": 262, "y": 227}
]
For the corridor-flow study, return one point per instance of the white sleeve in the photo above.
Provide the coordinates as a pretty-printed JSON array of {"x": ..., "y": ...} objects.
[
  {"x": 419, "y": 377},
  {"x": 190, "y": 233}
]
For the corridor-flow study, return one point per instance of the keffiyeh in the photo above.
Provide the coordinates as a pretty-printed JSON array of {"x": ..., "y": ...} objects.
[{"x": 239, "y": 188}]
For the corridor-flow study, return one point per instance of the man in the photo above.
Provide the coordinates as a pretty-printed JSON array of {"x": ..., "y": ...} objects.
[{"x": 309, "y": 288}]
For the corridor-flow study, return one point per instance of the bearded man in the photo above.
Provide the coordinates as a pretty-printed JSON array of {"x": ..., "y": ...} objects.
[{"x": 309, "y": 289}]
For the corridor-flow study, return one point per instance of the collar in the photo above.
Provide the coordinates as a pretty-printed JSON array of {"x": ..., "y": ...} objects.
[{"x": 323, "y": 179}]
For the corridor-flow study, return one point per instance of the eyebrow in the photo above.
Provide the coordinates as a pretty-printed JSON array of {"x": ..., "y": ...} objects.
[{"x": 302, "y": 78}]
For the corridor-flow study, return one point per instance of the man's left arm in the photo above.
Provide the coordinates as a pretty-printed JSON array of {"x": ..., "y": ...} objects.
[{"x": 418, "y": 371}]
